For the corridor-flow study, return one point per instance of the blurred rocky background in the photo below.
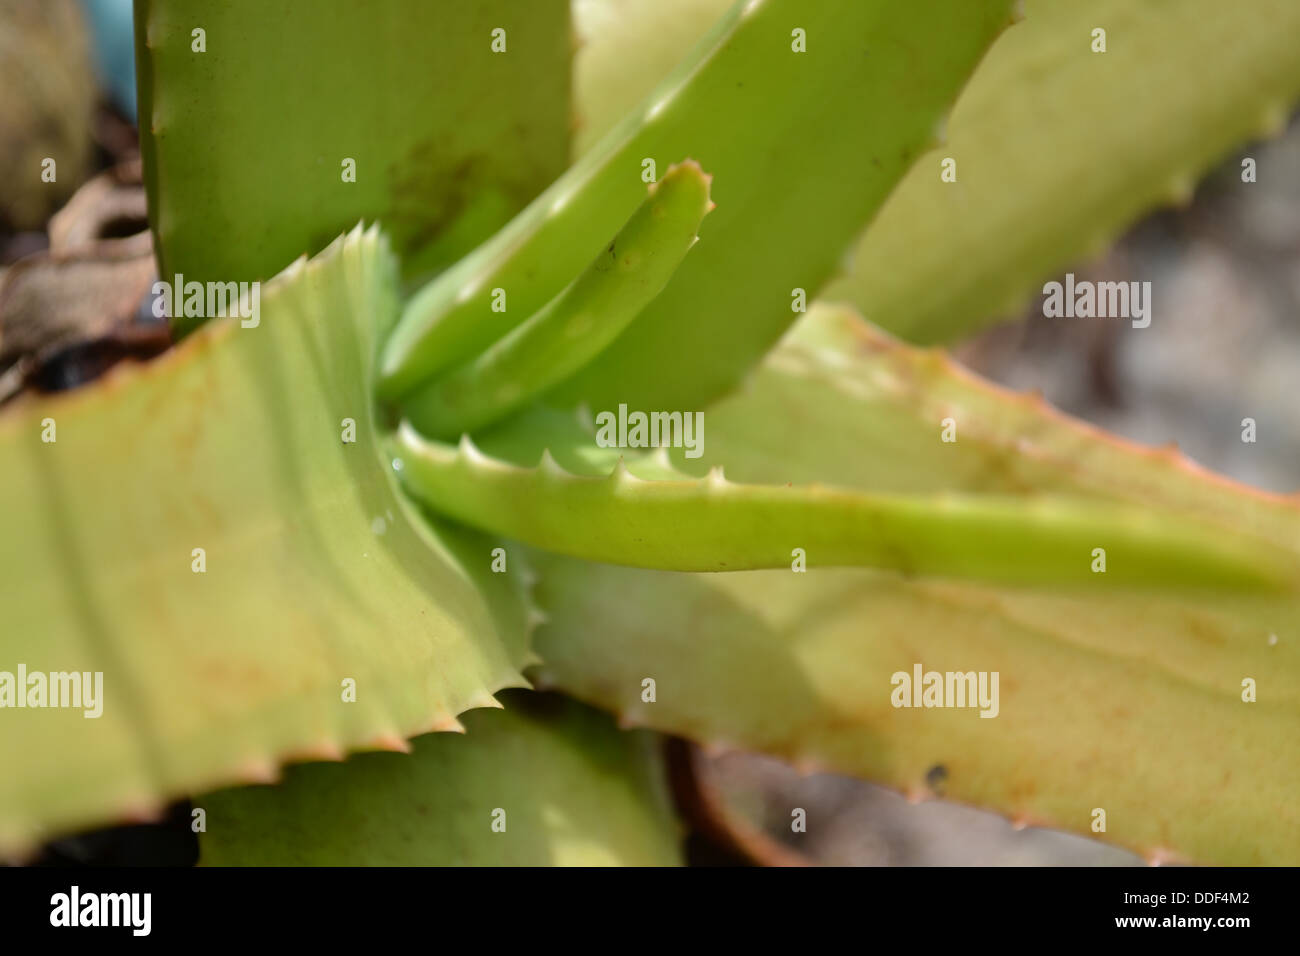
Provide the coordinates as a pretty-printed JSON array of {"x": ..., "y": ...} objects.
[{"x": 76, "y": 258}]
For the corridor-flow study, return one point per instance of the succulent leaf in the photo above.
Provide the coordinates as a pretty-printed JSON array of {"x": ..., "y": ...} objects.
[
  {"x": 1127, "y": 701},
  {"x": 711, "y": 524},
  {"x": 773, "y": 231},
  {"x": 1098, "y": 139},
  {"x": 1059, "y": 149},
  {"x": 579, "y": 322},
  {"x": 562, "y": 784},
  {"x": 295, "y": 120},
  {"x": 625, "y": 48},
  {"x": 218, "y": 666}
]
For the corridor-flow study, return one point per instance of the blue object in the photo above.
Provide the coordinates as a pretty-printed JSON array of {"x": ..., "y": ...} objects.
[{"x": 114, "y": 42}]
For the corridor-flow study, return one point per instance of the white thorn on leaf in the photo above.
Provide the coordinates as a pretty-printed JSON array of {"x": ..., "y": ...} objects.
[
  {"x": 659, "y": 458},
  {"x": 468, "y": 451},
  {"x": 548, "y": 466}
]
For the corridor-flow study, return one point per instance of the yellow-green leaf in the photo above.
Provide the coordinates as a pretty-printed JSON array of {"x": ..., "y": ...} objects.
[
  {"x": 202, "y": 532},
  {"x": 1128, "y": 703},
  {"x": 1059, "y": 148}
]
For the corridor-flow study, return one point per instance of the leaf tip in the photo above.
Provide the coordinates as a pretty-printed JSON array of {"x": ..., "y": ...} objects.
[
  {"x": 468, "y": 453},
  {"x": 259, "y": 770},
  {"x": 445, "y": 723},
  {"x": 391, "y": 741},
  {"x": 484, "y": 700},
  {"x": 659, "y": 458},
  {"x": 620, "y": 475},
  {"x": 548, "y": 466}
]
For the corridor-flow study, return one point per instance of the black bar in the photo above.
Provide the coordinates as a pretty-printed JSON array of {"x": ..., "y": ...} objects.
[{"x": 332, "y": 905}]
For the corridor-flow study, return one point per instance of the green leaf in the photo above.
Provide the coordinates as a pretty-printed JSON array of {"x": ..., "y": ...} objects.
[
  {"x": 314, "y": 572},
  {"x": 880, "y": 408},
  {"x": 1059, "y": 149},
  {"x": 245, "y": 143},
  {"x": 625, "y": 48},
  {"x": 793, "y": 189},
  {"x": 572, "y": 791},
  {"x": 1129, "y": 702},
  {"x": 711, "y": 524},
  {"x": 1045, "y": 124},
  {"x": 578, "y": 323}
]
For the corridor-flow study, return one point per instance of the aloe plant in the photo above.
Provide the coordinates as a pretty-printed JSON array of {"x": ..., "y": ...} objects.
[{"x": 394, "y": 494}]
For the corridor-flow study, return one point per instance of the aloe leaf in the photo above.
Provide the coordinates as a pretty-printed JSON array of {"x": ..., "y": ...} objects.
[
  {"x": 1103, "y": 696},
  {"x": 759, "y": 246},
  {"x": 312, "y": 570},
  {"x": 245, "y": 142},
  {"x": 1133, "y": 708},
  {"x": 1058, "y": 149},
  {"x": 870, "y": 391},
  {"x": 711, "y": 524},
  {"x": 1045, "y": 123},
  {"x": 562, "y": 784},
  {"x": 625, "y": 48},
  {"x": 579, "y": 322}
]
